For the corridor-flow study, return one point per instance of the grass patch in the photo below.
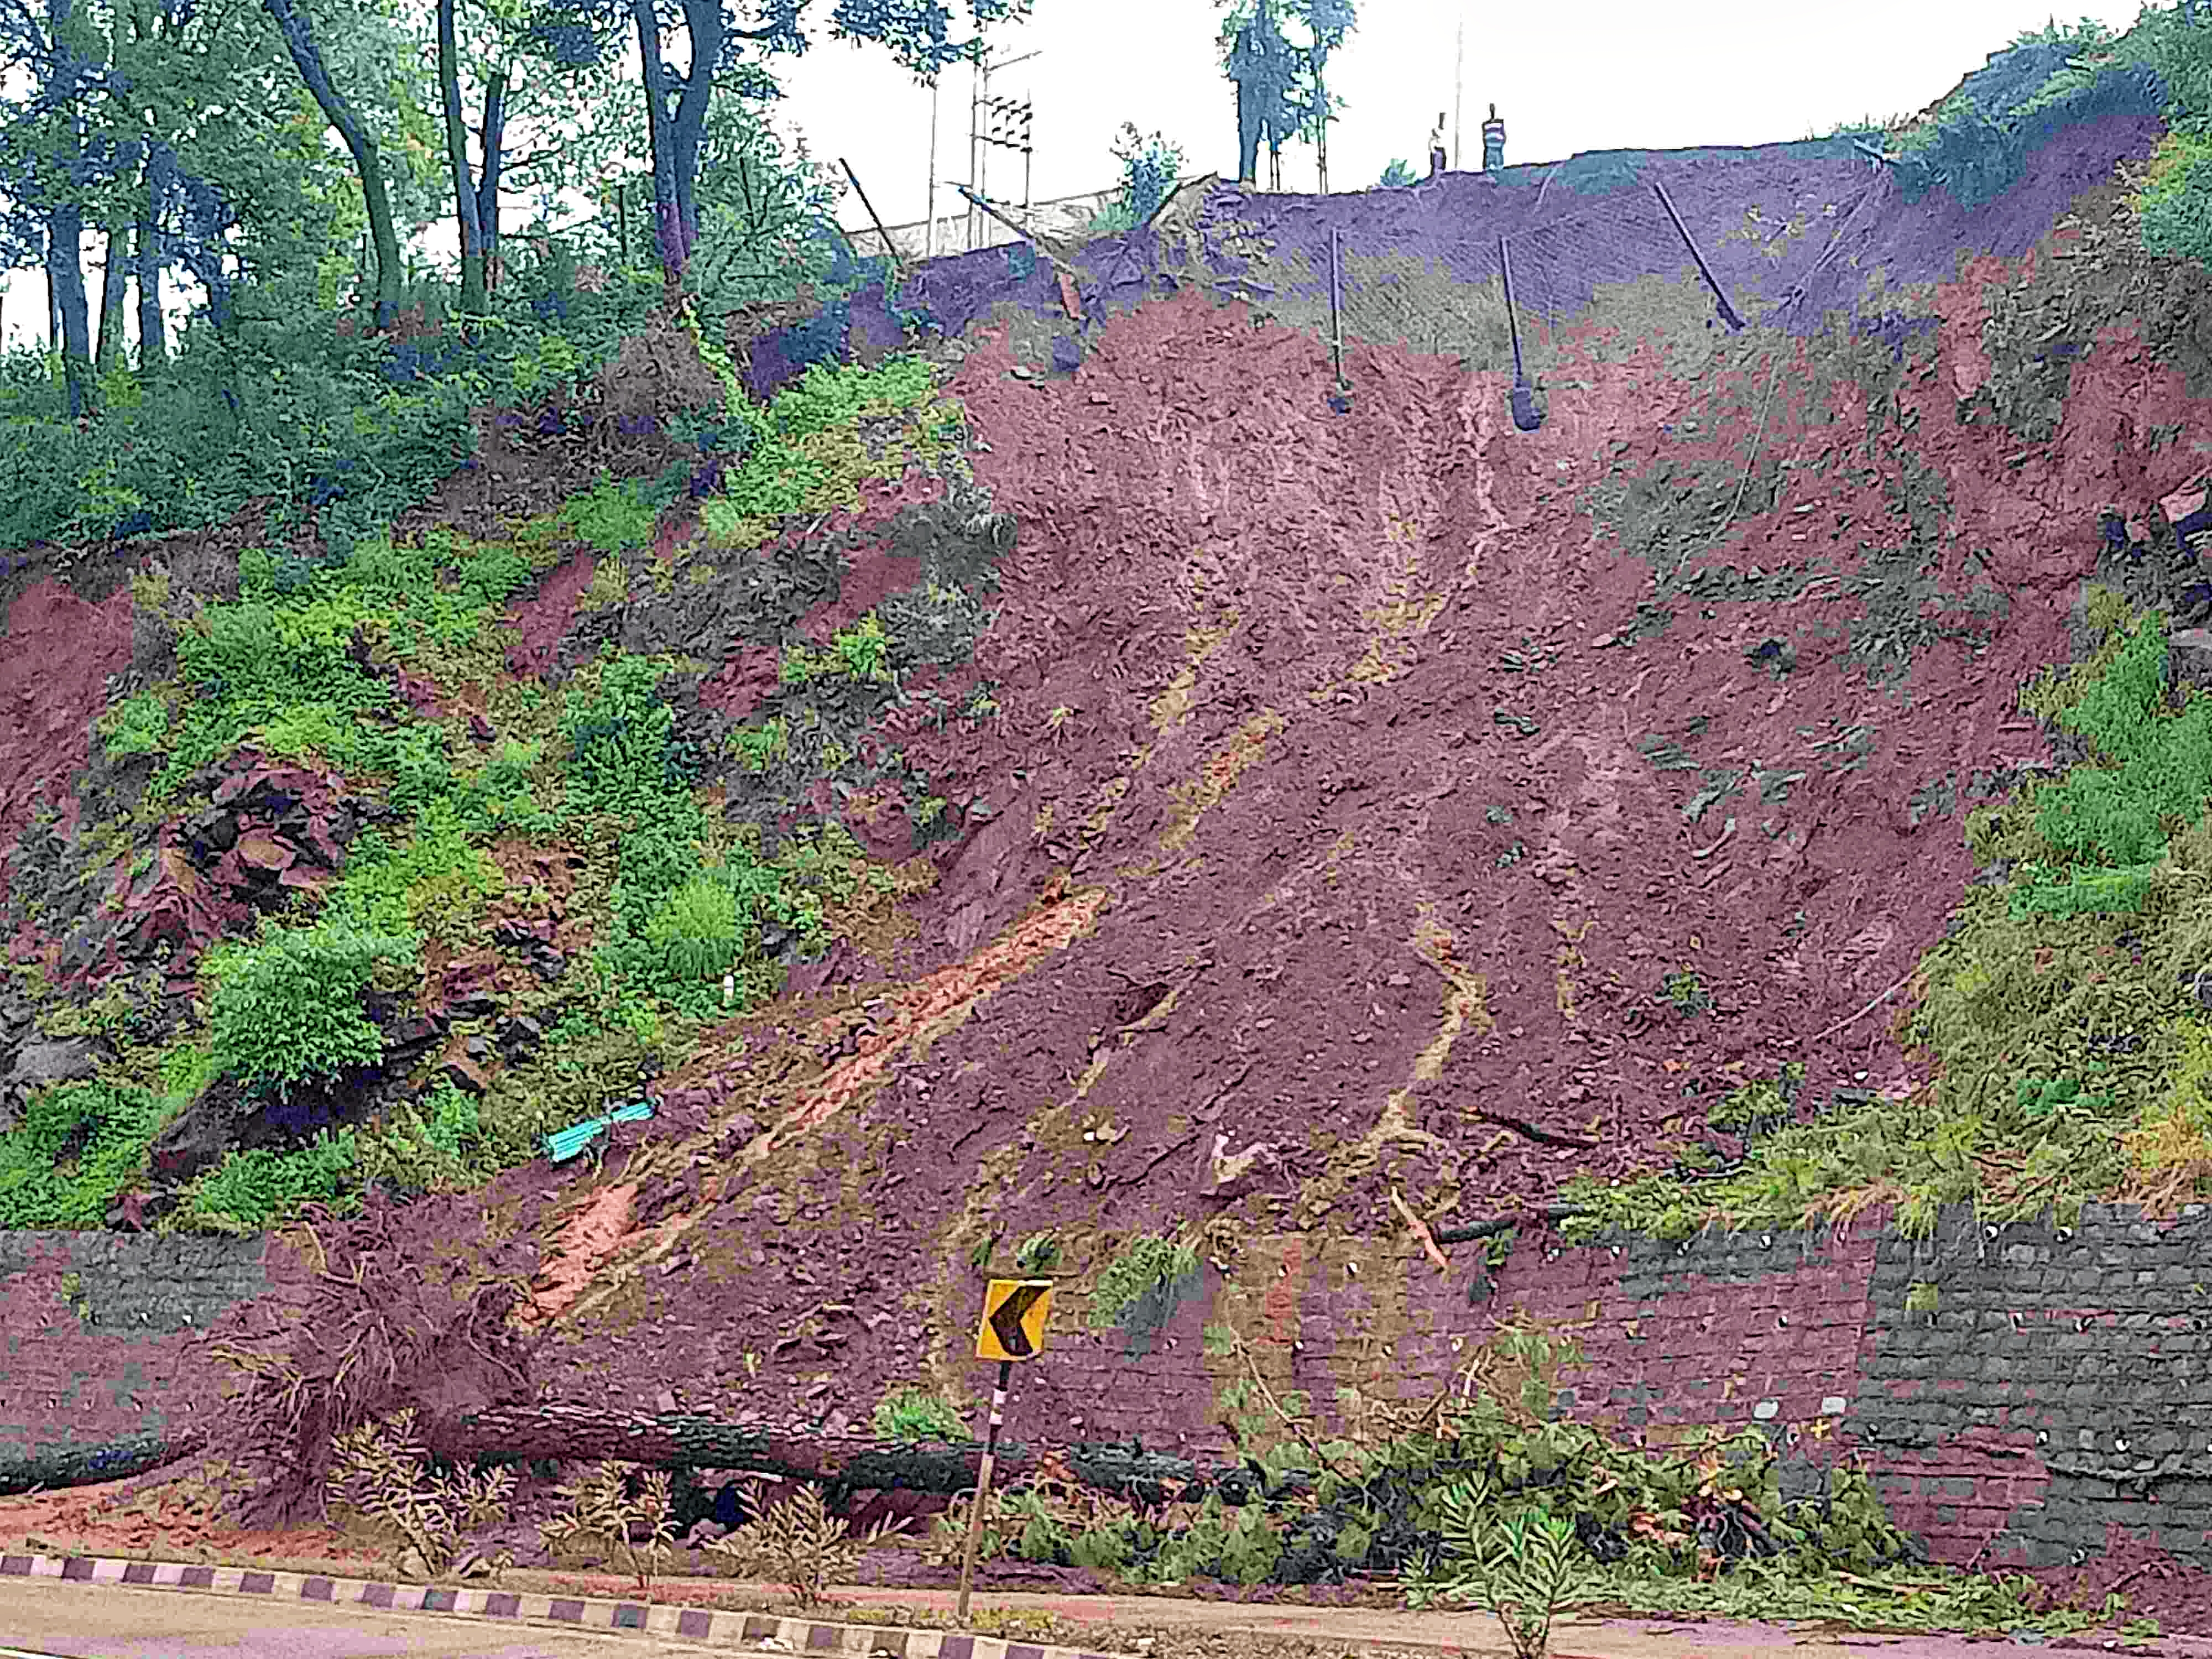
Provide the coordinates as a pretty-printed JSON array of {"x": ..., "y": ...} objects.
[{"x": 2067, "y": 1011}]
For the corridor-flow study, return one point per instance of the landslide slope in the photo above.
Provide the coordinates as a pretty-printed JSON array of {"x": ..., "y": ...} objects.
[
  {"x": 1325, "y": 806},
  {"x": 1401, "y": 801}
]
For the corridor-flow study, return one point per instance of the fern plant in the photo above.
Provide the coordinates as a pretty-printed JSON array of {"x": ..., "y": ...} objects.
[
  {"x": 605, "y": 1509},
  {"x": 1521, "y": 1569},
  {"x": 799, "y": 1545},
  {"x": 380, "y": 1471}
]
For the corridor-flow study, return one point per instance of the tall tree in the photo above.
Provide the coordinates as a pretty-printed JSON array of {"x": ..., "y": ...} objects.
[
  {"x": 915, "y": 31},
  {"x": 467, "y": 201},
  {"x": 292, "y": 23},
  {"x": 1280, "y": 82}
]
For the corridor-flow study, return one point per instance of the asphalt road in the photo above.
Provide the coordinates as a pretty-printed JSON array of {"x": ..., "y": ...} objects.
[{"x": 42, "y": 1620}]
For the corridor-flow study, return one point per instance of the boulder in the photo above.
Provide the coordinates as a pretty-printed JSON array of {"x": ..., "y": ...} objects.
[
  {"x": 40, "y": 1062},
  {"x": 197, "y": 1137}
]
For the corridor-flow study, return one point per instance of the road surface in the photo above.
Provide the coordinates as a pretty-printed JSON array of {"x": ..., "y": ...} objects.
[{"x": 45, "y": 1619}]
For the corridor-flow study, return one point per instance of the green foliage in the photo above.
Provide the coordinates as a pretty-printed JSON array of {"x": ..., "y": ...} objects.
[
  {"x": 612, "y": 518},
  {"x": 2175, "y": 204},
  {"x": 448, "y": 1143},
  {"x": 1038, "y": 1255},
  {"x": 1686, "y": 992},
  {"x": 623, "y": 754},
  {"x": 135, "y": 726},
  {"x": 1534, "y": 1511},
  {"x": 1141, "y": 1266},
  {"x": 1523, "y": 1569},
  {"x": 760, "y": 747},
  {"x": 915, "y": 1415},
  {"x": 253, "y": 1189},
  {"x": 435, "y": 881},
  {"x": 77, "y": 1146},
  {"x": 860, "y": 652},
  {"x": 803, "y": 456},
  {"x": 1397, "y": 176},
  {"x": 288, "y": 1009}
]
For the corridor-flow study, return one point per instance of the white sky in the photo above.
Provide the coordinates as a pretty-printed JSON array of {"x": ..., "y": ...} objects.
[{"x": 1599, "y": 75}]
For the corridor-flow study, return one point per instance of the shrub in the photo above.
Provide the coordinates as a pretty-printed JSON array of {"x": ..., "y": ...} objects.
[
  {"x": 608, "y": 1504},
  {"x": 698, "y": 929},
  {"x": 287, "y": 1010},
  {"x": 1150, "y": 166},
  {"x": 1396, "y": 176},
  {"x": 914, "y": 1414},
  {"x": 1523, "y": 1569},
  {"x": 381, "y": 1472},
  {"x": 78, "y": 1144},
  {"x": 251, "y": 1189},
  {"x": 799, "y": 1544}
]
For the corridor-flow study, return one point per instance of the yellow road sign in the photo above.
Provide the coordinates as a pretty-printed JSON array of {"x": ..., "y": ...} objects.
[{"x": 1014, "y": 1312}]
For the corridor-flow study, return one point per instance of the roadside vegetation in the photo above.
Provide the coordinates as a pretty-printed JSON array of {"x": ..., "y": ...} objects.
[{"x": 301, "y": 666}]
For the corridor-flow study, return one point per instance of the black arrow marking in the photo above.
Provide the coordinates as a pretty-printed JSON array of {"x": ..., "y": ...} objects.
[{"x": 1006, "y": 1321}]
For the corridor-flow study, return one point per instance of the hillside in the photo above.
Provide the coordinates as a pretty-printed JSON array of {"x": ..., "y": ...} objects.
[{"x": 1135, "y": 804}]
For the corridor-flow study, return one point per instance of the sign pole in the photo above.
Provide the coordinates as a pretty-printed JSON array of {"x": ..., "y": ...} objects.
[
  {"x": 1459, "y": 81},
  {"x": 983, "y": 1486}
]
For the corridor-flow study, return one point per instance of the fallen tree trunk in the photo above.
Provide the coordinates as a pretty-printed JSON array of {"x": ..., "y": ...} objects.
[
  {"x": 52, "y": 1467},
  {"x": 843, "y": 1462}
]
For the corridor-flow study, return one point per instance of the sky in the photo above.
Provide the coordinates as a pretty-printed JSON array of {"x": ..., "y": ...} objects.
[{"x": 1620, "y": 73}]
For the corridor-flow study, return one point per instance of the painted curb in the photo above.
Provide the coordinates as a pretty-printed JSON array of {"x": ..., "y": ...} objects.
[{"x": 748, "y": 1630}]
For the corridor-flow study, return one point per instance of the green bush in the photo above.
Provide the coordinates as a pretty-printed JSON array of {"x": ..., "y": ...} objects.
[
  {"x": 915, "y": 1415},
  {"x": 433, "y": 879},
  {"x": 1140, "y": 1266},
  {"x": 451, "y": 1149},
  {"x": 698, "y": 929},
  {"x": 287, "y": 1010},
  {"x": 77, "y": 1146},
  {"x": 2176, "y": 206},
  {"x": 135, "y": 726},
  {"x": 250, "y": 1190},
  {"x": 612, "y": 518}
]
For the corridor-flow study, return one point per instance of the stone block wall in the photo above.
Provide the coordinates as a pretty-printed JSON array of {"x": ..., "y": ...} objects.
[
  {"x": 2060, "y": 1384},
  {"x": 116, "y": 1353}
]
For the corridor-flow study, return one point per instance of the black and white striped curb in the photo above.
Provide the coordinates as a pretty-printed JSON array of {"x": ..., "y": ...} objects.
[{"x": 748, "y": 1629}]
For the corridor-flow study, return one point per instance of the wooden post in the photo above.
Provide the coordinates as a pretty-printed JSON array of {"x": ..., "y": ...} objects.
[{"x": 982, "y": 1487}]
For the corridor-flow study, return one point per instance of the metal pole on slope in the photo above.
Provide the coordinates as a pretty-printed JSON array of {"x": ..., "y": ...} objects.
[
  {"x": 889, "y": 253},
  {"x": 1340, "y": 398},
  {"x": 1459, "y": 80},
  {"x": 1728, "y": 311},
  {"x": 929, "y": 237},
  {"x": 1524, "y": 401}
]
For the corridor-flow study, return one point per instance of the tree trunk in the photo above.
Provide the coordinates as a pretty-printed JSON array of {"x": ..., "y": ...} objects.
[
  {"x": 153, "y": 338},
  {"x": 51, "y": 1467},
  {"x": 494, "y": 135},
  {"x": 707, "y": 27},
  {"x": 299, "y": 41},
  {"x": 590, "y": 1432},
  {"x": 109, "y": 354},
  {"x": 667, "y": 215},
  {"x": 65, "y": 266},
  {"x": 65, "y": 227},
  {"x": 465, "y": 201}
]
